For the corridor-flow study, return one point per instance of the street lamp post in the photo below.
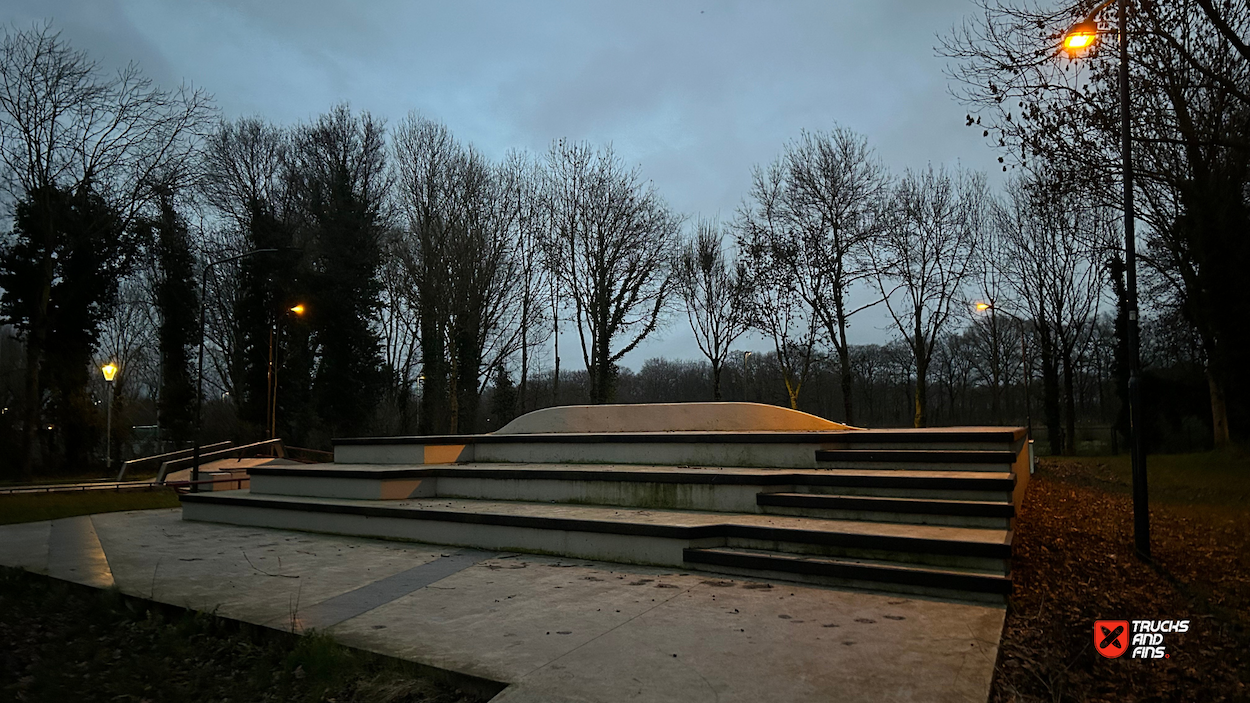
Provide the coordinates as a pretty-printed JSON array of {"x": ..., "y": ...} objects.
[
  {"x": 276, "y": 332},
  {"x": 199, "y": 379},
  {"x": 110, "y": 371},
  {"x": 1081, "y": 36}
]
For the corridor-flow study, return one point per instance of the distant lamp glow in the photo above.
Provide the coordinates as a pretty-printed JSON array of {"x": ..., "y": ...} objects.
[
  {"x": 1081, "y": 36},
  {"x": 298, "y": 309},
  {"x": 982, "y": 307},
  {"x": 109, "y": 370}
]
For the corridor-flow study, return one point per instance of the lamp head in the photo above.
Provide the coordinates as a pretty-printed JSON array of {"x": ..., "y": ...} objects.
[
  {"x": 109, "y": 370},
  {"x": 1082, "y": 36},
  {"x": 298, "y": 309},
  {"x": 982, "y": 306}
]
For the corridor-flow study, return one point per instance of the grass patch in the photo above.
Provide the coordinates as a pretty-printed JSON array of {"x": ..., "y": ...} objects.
[
  {"x": 1216, "y": 478},
  {"x": 31, "y": 507},
  {"x": 70, "y": 643}
]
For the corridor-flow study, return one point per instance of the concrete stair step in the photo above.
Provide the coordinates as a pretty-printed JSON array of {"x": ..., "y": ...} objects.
[
  {"x": 967, "y": 513},
  {"x": 929, "y": 506},
  {"x": 902, "y": 483},
  {"x": 599, "y": 532},
  {"x": 939, "y": 459},
  {"x": 839, "y": 572}
]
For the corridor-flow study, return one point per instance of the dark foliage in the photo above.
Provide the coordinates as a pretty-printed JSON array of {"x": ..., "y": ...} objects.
[
  {"x": 177, "y": 305},
  {"x": 59, "y": 269}
]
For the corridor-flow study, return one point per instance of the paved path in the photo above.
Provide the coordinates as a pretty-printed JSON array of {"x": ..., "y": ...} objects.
[{"x": 554, "y": 629}]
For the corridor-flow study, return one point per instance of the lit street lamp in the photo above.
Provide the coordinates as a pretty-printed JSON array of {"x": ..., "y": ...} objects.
[
  {"x": 276, "y": 331},
  {"x": 109, "y": 370},
  {"x": 1081, "y": 36}
]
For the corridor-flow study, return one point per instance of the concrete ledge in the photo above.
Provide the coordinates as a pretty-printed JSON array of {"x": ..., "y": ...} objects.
[{"x": 315, "y": 511}]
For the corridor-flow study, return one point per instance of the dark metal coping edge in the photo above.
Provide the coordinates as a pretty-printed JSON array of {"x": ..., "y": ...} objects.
[
  {"x": 810, "y": 437},
  {"x": 770, "y": 478},
  {"x": 930, "y": 506},
  {"x": 692, "y": 532},
  {"x": 911, "y": 576},
  {"x": 962, "y": 456}
]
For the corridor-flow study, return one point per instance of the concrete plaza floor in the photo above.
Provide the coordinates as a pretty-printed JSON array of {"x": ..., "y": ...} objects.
[{"x": 554, "y": 629}]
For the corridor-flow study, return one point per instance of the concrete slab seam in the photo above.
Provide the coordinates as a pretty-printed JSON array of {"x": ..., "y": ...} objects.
[{"x": 361, "y": 600}]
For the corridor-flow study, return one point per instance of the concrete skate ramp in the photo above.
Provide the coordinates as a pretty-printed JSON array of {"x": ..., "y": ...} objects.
[{"x": 669, "y": 417}]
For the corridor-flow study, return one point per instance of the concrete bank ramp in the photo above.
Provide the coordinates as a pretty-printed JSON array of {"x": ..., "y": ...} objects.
[{"x": 670, "y": 417}]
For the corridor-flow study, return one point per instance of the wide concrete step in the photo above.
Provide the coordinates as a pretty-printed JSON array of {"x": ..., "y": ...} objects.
[
  {"x": 850, "y": 572},
  {"x": 685, "y": 488},
  {"x": 901, "y": 483},
  {"x": 969, "y": 513},
  {"x": 936, "y": 459},
  {"x": 607, "y": 532}
]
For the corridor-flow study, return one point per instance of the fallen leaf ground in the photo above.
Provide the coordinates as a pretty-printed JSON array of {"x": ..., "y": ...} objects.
[{"x": 1074, "y": 563}]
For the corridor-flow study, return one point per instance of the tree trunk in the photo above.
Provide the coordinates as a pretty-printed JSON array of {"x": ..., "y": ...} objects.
[
  {"x": 1219, "y": 411},
  {"x": 36, "y": 341},
  {"x": 844, "y": 361},
  {"x": 921, "y": 393},
  {"x": 1050, "y": 393},
  {"x": 1069, "y": 402},
  {"x": 716, "y": 368}
]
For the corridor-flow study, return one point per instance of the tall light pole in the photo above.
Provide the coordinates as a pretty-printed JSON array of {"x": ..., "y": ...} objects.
[
  {"x": 276, "y": 331},
  {"x": 199, "y": 379},
  {"x": 1081, "y": 36},
  {"x": 110, "y": 371}
]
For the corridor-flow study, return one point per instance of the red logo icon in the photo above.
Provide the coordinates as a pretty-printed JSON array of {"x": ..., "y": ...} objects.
[{"x": 1111, "y": 637}]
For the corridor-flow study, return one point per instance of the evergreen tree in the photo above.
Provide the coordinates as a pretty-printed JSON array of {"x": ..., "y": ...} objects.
[
  {"x": 268, "y": 282},
  {"x": 177, "y": 303},
  {"x": 340, "y": 169},
  {"x": 503, "y": 404},
  {"x": 59, "y": 270}
]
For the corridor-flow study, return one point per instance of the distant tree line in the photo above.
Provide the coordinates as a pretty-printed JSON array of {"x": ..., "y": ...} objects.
[{"x": 410, "y": 284}]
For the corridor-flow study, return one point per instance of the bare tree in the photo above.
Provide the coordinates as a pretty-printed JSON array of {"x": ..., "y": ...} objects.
[
  {"x": 611, "y": 241},
  {"x": 521, "y": 181},
  {"x": 833, "y": 192},
  {"x": 65, "y": 127},
  {"x": 399, "y": 329},
  {"x": 1190, "y": 117},
  {"x": 1055, "y": 243},
  {"x": 460, "y": 258},
  {"x": 779, "y": 307},
  {"x": 923, "y": 259},
  {"x": 716, "y": 294}
]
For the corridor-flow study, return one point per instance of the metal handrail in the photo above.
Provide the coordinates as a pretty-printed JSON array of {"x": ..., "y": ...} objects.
[{"x": 159, "y": 459}]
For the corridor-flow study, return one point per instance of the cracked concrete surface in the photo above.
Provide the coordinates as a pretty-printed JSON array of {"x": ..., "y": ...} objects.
[{"x": 555, "y": 629}]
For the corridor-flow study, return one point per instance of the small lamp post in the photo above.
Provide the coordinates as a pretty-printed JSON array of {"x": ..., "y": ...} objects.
[
  {"x": 276, "y": 331},
  {"x": 110, "y": 371},
  {"x": 199, "y": 376},
  {"x": 1081, "y": 36}
]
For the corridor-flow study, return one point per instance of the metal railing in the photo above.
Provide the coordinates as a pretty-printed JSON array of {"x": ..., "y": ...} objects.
[{"x": 157, "y": 459}]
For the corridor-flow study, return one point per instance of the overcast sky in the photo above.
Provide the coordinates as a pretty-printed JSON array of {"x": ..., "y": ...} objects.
[{"x": 695, "y": 94}]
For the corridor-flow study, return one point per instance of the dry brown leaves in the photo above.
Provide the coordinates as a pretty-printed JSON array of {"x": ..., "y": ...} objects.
[{"x": 1074, "y": 564}]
